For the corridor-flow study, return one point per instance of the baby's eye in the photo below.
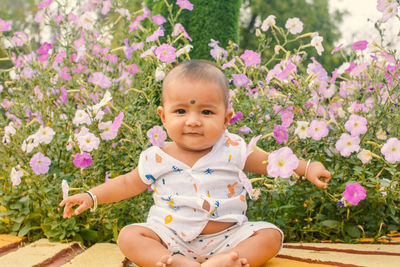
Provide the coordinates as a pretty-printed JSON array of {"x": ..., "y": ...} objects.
[
  {"x": 207, "y": 112},
  {"x": 180, "y": 111}
]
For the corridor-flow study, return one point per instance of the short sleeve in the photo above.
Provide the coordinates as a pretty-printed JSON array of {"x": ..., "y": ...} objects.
[
  {"x": 150, "y": 165},
  {"x": 237, "y": 149}
]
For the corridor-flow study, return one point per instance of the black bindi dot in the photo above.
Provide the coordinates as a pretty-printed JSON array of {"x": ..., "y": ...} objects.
[{"x": 192, "y": 101}]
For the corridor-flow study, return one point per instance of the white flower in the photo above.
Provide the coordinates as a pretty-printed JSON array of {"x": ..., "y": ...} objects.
[
  {"x": 343, "y": 67},
  {"x": 81, "y": 117},
  {"x": 99, "y": 116},
  {"x": 86, "y": 20},
  {"x": 294, "y": 25},
  {"x": 65, "y": 188},
  {"x": 9, "y": 130},
  {"x": 44, "y": 135},
  {"x": 301, "y": 129},
  {"x": 365, "y": 156},
  {"x": 106, "y": 98},
  {"x": 16, "y": 175},
  {"x": 268, "y": 22},
  {"x": 160, "y": 75},
  {"x": 108, "y": 133},
  {"x": 70, "y": 144},
  {"x": 381, "y": 135},
  {"x": 316, "y": 41},
  {"x": 88, "y": 142},
  {"x": 30, "y": 143},
  {"x": 183, "y": 50}
]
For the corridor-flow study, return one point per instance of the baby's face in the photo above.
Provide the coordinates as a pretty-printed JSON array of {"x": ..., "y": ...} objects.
[{"x": 194, "y": 113}]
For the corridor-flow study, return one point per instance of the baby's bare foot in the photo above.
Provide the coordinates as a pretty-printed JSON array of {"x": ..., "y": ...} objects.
[
  {"x": 227, "y": 259},
  {"x": 176, "y": 261}
]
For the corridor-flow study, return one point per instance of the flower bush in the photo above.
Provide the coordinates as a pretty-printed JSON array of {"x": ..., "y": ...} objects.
[{"x": 78, "y": 109}]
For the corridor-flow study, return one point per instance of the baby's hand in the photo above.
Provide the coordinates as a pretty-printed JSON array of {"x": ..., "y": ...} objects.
[
  {"x": 83, "y": 200},
  {"x": 316, "y": 173}
]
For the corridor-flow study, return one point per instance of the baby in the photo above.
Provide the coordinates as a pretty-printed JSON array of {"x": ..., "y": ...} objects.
[{"x": 199, "y": 212}]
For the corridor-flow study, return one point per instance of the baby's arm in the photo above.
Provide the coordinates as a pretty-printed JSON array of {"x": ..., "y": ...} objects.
[
  {"x": 119, "y": 188},
  {"x": 315, "y": 173}
]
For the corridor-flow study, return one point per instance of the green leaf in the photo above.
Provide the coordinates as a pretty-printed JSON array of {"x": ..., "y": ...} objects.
[
  {"x": 89, "y": 235},
  {"x": 25, "y": 229},
  {"x": 352, "y": 230},
  {"x": 330, "y": 223}
]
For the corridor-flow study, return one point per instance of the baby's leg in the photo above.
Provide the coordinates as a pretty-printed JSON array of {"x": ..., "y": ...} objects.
[
  {"x": 143, "y": 247},
  {"x": 263, "y": 245}
]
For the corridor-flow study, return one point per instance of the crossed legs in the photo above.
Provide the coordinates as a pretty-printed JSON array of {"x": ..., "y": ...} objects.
[{"x": 143, "y": 247}]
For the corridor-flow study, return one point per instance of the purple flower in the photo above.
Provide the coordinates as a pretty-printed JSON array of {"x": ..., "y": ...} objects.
[
  {"x": 250, "y": 58},
  {"x": 44, "y": 48},
  {"x": 218, "y": 53},
  {"x": 40, "y": 163},
  {"x": 356, "y": 125},
  {"x": 282, "y": 163},
  {"x": 100, "y": 79},
  {"x": 185, "y": 4},
  {"x": 241, "y": 80},
  {"x": 158, "y": 19},
  {"x": 354, "y": 193},
  {"x": 157, "y": 136},
  {"x": 4, "y": 25},
  {"x": 280, "y": 134},
  {"x": 237, "y": 117},
  {"x": 360, "y": 45},
  {"x": 82, "y": 160},
  {"x": 106, "y": 178},
  {"x": 245, "y": 130},
  {"x": 127, "y": 49},
  {"x": 165, "y": 53},
  {"x": 391, "y": 150}
]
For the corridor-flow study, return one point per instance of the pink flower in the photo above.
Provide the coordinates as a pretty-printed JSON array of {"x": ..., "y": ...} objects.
[
  {"x": 178, "y": 29},
  {"x": 4, "y": 25},
  {"x": 245, "y": 130},
  {"x": 251, "y": 146},
  {"x": 19, "y": 38},
  {"x": 100, "y": 79},
  {"x": 108, "y": 133},
  {"x": 282, "y": 163},
  {"x": 44, "y": 48},
  {"x": 238, "y": 116},
  {"x": 44, "y": 3},
  {"x": 347, "y": 144},
  {"x": 354, "y": 193},
  {"x": 82, "y": 160},
  {"x": 360, "y": 45},
  {"x": 64, "y": 73},
  {"x": 280, "y": 134},
  {"x": 356, "y": 125},
  {"x": 40, "y": 163},
  {"x": 158, "y": 19},
  {"x": 117, "y": 122},
  {"x": 246, "y": 183},
  {"x": 317, "y": 130},
  {"x": 106, "y": 177},
  {"x": 165, "y": 53},
  {"x": 250, "y": 58},
  {"x": 184, "y": 4},
  {"x": 336, "y": 49},
  {"x": 157, "y": 136},
  {"x": 157, "y": 33},
  {"x": 391, "y": 150}
]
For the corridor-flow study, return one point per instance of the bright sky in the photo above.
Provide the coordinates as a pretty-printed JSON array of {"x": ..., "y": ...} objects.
[{"x": 359, "y": 23}]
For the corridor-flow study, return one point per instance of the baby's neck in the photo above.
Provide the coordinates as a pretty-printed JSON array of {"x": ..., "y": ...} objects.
[{"x": 189, "y": 157}]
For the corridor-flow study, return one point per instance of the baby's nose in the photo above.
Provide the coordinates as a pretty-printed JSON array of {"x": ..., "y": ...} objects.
[{"x": 193, "y": 120}]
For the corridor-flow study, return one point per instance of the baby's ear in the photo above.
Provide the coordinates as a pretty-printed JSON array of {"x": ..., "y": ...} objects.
[
  {"x": 228, "y": 116},
  {"x": 160, "y": 111}
]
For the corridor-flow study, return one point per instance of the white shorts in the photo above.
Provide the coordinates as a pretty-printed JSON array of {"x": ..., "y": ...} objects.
[{"x": 205, "y": 246}]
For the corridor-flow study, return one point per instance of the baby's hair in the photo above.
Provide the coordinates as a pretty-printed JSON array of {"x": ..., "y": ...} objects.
[{"x": 199, "y": 69}]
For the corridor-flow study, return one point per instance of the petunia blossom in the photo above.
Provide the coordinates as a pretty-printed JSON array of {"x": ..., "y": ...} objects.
[
  {"x": 40, "y": 163},
  {"x": 301, "y": 129},
  {"x": 354, "y": 193},
  {"x": 356, "y": 125},
  {"x": 117, "y": 122},
  {"x": 184, "y": 4},
  {"x": 108, "y": 133},
  {"x": 16, "y": 174},
  {"x": 360, "y": 45},
  {"x": 82, "y": 160},
  {"x": 64, "y": 188},
  {"x": 317, "y": 130},
  {"x": 157, "y": 136},
  {"x": 158, "y": 19},
  {"x": 100, "y": 79},
  {"x": 251, "y": 58},
  {"x": 4, "y": 25},
  {"x": 165, "y": 53},
  {"x": 44, "y": 3},
  {"x": 365, "y": 156},
  {"x": 44, "y": 135},
  {"x": 241, "y": 80},
  {"x": 252, "y": 145},
  {"x": 88, "y": 142},
  {"x": 246, "y": 183},
  {"x": 347, "y": 144},
  {"x": 81, "y": 117},
  {"x": 280, "y": 134},
  {"x": 282, "y": 163},
  {"x": 294, "y": 25},
  {"x": 19, "y": 38},
  {"x": 268, "y": 22},
  {"x": 391, "y": 150}
]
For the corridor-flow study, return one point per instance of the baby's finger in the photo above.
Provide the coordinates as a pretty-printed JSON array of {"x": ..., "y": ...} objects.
[
  {"x": 317, "y": 182},
  {"x": 81, "y": 208},
  {"x": 327, "y": 175}
]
